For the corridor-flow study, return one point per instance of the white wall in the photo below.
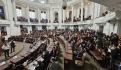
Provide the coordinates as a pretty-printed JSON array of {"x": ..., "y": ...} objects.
[
  {"x": 95, "y": 27},
  {"x": 15, "y": 30},
  {"x": 109, "y": 28}
]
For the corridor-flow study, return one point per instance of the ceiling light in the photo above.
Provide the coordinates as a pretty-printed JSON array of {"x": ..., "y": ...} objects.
[
  {"x": 64, "y": 6},
  {"x": 31, "y": 0},
  {"x": 42, "y": 1}
]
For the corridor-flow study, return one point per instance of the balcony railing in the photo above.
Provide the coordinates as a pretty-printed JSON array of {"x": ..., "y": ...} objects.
[
  {"x": 98, "y": 20},
  {"x": 4, "y": 22}
]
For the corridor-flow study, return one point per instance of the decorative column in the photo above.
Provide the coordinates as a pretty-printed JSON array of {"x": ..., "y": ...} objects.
[
  {"x": 72, "y": 14},
  {"x": 63, "y": 15},
  {"x": 29, "y": 29},
  {"x": 40, "y": 15},
  {"x": 91, "y": 10},
  {"x": 118, "y": 27},
  {"x": 6, "y": 10},
  {"x": 27, "y": 13},
  {"x": 48, "y": 15},
  {"x": 8, "y": 30},
  {"x": 39, "y": 27},
  {"x": 96, "y": 10},
  {"x": 85, "y": 13},
  {"x": 82, "y": 8},
  {"x": 14, "y": 10},
  {"x": 98, "y": 13},
  {"x": 38, "y": 12},
  {"x": 9, "y": 14},
  {"x": 9, "y": 9},
  {"x": 51, "y": 15},
  {"x": 60, "y": 15},
  {"x": 115, "y": 30},
  {"x": 78, "y": 10}
]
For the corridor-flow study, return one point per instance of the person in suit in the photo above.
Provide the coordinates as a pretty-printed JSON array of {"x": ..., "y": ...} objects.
[
  {"x": 119, "y": 66},
  {"x": 40, "y": 67},
  {"x": 3, "y": 39},
  {"x": 114, "y": 56},
  {"x": 47, "y": 58},
  {"x": 12, "y": 44},
  {"x": 54, "y": 65}
]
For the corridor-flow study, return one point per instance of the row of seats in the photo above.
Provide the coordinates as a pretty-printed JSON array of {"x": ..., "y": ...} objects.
[
  {"x": 106, "y": 50},
  {"x": 47, "y": 55}
]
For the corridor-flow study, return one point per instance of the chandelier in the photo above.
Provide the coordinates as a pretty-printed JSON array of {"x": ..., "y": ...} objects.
[{"x": 64, "y": 5}]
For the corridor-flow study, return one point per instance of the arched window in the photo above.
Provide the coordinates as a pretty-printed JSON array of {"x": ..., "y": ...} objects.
[
  {"x": 43, "y": 15},
  {"x": 80, "y": 13},
  {"x": 56, "y": 17},
  {"x": 70, "y": 15},
  {"x": 18, "y": 11},
  {"x": 32, "y": 14}
]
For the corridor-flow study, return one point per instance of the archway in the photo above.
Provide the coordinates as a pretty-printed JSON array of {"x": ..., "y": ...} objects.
[
  {"x": 70, "y": 15},
  {"x": 56, "y": 17}
]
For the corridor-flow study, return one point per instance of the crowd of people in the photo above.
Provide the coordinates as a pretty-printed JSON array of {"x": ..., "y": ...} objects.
[
  {"x": 76, "y": 19},
  {"x": 34, "y": 20},
  {"x": 107, "y": 47},
  {"x": 22, "y": 19},
  {"x": 44, "y": 21},
  {"x": 48, "y": 50},
  {"x": 8, "y": 47}
]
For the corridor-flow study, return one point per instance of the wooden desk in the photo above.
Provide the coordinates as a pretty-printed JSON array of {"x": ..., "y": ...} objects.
[
  {"x": 68, "y": 50},
  {"x": 68, "y": 55},
  {"x": 20, "y": 58},
  {"x": 98, "y": 58}
]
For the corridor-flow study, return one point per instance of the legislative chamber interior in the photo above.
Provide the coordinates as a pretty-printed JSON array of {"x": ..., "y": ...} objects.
[{"x": 60, "y": 35}]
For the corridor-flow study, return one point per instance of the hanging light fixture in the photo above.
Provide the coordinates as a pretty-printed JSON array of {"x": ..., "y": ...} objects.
[{"x": 64, "y": 5}]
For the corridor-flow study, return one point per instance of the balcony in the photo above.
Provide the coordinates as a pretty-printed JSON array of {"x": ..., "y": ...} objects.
[
  {"x": 98, "y": 20},
  {"x": 4, "y": 22},
  {"x": 22, "y": 19}
]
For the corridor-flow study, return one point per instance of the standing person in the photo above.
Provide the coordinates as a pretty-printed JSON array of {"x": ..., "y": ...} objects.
[
  {"x": 5, "y": 50},
  {"x": 12, "y": 44},
  {"x": 3, "y": 39},
  {"x": 54, "y": 65}
]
